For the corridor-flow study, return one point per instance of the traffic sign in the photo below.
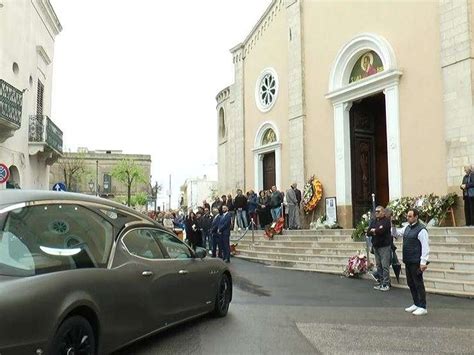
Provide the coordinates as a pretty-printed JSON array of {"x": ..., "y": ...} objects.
[
  {"x": 59, "y": 186},
  {"x": 4, "y": 173}
]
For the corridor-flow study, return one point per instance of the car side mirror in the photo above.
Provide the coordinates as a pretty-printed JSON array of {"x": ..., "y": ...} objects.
[{"x": 201, "y": 252}]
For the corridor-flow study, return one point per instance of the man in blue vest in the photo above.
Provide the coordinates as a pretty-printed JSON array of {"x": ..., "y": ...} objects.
[{"x": 415, "y": 256}]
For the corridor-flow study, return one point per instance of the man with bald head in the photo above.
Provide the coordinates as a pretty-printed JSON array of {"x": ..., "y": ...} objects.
[{"x": 380, "y": 230}]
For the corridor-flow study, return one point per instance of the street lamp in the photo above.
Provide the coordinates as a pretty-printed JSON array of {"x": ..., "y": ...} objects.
[{"x": 91, "y": 185}]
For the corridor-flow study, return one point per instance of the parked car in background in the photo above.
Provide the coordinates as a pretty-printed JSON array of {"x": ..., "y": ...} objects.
[{"x": 84, "y": 275}]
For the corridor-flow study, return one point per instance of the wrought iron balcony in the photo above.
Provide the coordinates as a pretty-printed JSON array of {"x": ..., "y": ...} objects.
[
  {"x": 11, "y": 100},
  {"x": 45, "y": 137}
]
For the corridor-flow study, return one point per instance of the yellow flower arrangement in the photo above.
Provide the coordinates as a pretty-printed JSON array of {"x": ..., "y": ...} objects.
[{"x": 313, "y": 192}]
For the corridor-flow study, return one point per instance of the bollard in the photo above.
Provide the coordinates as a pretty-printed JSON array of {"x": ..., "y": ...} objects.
[{"x": 253, "y": 229}]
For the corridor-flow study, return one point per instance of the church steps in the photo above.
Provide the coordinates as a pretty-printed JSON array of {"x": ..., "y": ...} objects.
[
  {"x": 451, "y": 270},
  {"x": 347, "y": 252},
  {"x": 433, "y": 231},
  {"x": 457, "y": 265},
  {"x": 449, "y": 286},
  {"x": 440, "y": 284},
  {"x": 346, "y": 238},
  {"x": 434, "y": 246}
]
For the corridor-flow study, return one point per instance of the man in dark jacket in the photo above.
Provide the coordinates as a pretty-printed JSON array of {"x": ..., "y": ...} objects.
[
  {"x": 223, "y": 232},
  {"x": 275, "y": 203},
  {"x": 215, "y": 237},
  {"x": 467, "y": 188},
  {"x": 216, "y": 204},
  {"x": 380, "y": 230},
  {"x": 240, "y": 206},
  {"x": 206, "y": 221}
]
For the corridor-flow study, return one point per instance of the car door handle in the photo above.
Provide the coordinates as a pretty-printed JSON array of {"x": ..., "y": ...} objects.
[
  {"x": 183, "y": 272},
  {"x": 147, "y": 273}
]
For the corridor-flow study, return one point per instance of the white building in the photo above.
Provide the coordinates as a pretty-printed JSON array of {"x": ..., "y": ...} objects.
[
  {"x": 196, "y": 190},
  {"x": 29, "y": 140}
]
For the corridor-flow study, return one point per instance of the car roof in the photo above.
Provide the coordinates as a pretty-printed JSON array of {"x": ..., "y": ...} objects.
[{"x": 14, "y": 196}]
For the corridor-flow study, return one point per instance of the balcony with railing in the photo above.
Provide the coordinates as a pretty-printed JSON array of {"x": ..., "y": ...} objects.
[
  {"x": 11, "y": 100},
  {"x": 45, "y": 138}
]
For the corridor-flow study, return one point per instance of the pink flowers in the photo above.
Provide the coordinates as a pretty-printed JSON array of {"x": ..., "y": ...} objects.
[{"x": 356, "y": 265}]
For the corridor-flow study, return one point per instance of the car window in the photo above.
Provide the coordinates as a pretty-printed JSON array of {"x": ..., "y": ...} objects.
[
  {"x": 141, "y": 242},
  {"x": 175, "y": 248},
  {"x": 47, "y": 238}
]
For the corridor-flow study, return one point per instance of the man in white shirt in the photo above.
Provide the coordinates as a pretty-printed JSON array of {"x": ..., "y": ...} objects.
[{"x": 415, "y": 256}]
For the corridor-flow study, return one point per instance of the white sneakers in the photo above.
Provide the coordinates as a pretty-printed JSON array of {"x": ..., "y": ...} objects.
[
  {"x": 420, "y": 312},
  {"x": 416, "y": 311}
]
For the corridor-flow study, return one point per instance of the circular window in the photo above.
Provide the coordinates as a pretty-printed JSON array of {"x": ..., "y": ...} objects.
[
  {"x": 59, "y": 227},
  {"x": 15, "y": 68},
  {"x": 266, "y": 90}
]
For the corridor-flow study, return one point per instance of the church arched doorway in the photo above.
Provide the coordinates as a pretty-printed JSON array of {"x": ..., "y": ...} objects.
[
  {"x": 369, "y": 169},
  {"x": 364, "y": 90},
  {"x": 267, "y": 157}
]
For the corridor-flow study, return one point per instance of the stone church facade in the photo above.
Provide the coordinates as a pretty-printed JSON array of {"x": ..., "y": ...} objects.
[{"x": 369, "y": 97}]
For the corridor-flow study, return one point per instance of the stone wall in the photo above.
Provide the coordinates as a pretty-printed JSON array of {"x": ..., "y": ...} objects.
[{"x": 457, "y": 69}]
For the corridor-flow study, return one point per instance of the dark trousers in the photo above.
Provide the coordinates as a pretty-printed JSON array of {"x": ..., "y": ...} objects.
[
  {"x": 206, "y": 239},
  {"x": 468, "y": 210},
  {"x": 225, "y": 242},
  {"x": 216, "y": 243},
  {"x": 415, "y": 282}
]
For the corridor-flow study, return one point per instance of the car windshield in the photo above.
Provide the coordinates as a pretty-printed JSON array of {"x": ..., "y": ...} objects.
[{"x": 54, "y": 237}]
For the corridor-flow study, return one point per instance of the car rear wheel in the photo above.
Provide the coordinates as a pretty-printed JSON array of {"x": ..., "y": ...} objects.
[
  {"x": 223, "y": 297},
  {"x": 75, "y": 336}
]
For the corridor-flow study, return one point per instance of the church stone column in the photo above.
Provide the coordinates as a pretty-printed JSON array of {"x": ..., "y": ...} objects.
[
  {"x": 296, "y": 102},
  {"x": 456, "y": 36},
  {"x": 236, "y": 149}
]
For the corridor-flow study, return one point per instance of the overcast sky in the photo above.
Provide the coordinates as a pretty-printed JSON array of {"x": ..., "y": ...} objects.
[{"x": 141, "y": 76}]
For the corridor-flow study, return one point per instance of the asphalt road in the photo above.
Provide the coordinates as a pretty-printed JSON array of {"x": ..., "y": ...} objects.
[{"x": 277, "y": 311}]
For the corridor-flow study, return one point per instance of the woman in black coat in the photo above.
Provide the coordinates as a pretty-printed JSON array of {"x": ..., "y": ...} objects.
[
  {"x": 263, "y": 209},
  {"x": 193, "y": 234}
]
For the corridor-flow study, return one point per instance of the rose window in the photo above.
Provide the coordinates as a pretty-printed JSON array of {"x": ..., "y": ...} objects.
[{"x": 267, "y": 90}]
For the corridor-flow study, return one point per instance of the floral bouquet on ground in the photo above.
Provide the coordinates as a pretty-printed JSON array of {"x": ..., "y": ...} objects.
[{"x": 356, "y": 266}]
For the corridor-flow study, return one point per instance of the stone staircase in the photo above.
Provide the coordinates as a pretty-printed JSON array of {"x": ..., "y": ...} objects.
[{"x": 451, "y": 269}]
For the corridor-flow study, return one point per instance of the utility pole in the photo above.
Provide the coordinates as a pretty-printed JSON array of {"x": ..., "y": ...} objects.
[
  {"x": 169, "y": 195},
  {"x": 96, "y": 177}
]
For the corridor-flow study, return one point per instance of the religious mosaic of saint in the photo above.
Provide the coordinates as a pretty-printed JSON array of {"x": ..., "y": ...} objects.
[{"x": 368, "y": 64}]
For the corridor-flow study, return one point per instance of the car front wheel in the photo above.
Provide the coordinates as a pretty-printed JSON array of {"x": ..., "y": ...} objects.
[
  {"x": 75, "y": 336},
  {"x": 223, "y": 297}
]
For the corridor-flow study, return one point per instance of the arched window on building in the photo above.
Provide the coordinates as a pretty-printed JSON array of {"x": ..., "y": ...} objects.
[
  {"x": 222, "y": 126},
  {"x": 14, "y": 180},
  {"x": 269, "y": 137}
]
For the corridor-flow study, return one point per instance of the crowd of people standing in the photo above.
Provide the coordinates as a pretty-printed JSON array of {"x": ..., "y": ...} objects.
[{"x": 210, "y": 225}]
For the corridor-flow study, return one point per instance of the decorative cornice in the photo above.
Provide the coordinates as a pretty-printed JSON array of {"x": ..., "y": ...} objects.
[
  {"x": 365, "y": 87},
  {"x": 223, "y": 95},
  {"x": 47, "y": 13},
  {"x": 42, "y": 52},
  {"x": 242, "y": 49}
]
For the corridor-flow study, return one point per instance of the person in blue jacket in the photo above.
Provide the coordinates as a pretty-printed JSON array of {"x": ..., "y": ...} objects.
[{"x": 223, "y": 232}]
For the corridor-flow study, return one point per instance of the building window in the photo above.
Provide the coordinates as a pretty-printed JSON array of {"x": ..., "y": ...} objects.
[
  {"x": 266, "y": 90},
  {"x": 39, "y": 99},
  {"x": 269, "y": 137},
  {"x": 222, "y": 128}
]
